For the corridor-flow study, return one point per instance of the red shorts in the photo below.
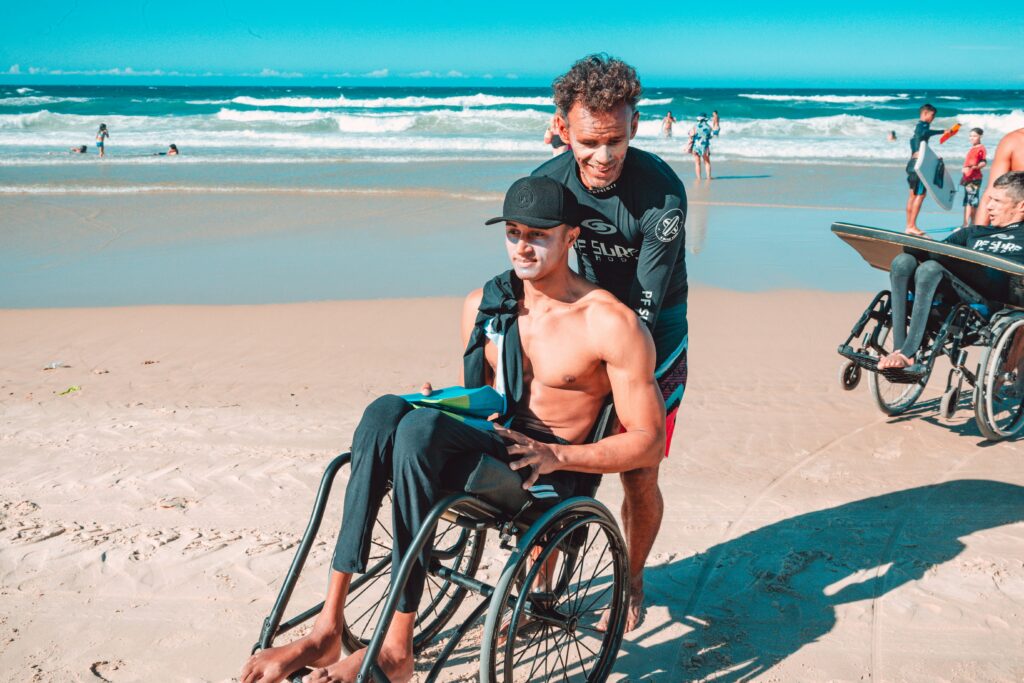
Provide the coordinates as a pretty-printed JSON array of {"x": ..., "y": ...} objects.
[{"x": 672, "y": 384}]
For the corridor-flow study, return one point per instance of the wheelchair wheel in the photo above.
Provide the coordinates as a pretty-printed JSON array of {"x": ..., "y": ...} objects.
[
  {"x": 892, "y": 398},
  {"x": 849, "y": 376},
  {"x": 454, "y": 547},
  {"x": 999, "y": 393},
  {"x": 948, "y": 403},
  {"x": 543, "y": 616}
]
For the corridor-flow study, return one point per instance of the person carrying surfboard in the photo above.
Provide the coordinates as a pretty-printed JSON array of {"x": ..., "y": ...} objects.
[{"x": 918, "y": 191}]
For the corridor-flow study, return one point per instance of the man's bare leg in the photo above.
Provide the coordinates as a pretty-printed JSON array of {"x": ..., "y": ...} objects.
[
  {"x": 913, "y": 211},
  {"x": 642, "y": 510},
  {"x": 320, "y": 648},
  {"x": 395, "y": 658}
]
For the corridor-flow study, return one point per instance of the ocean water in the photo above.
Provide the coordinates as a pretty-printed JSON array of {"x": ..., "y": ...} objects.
[{"x": 308, "y": 124}]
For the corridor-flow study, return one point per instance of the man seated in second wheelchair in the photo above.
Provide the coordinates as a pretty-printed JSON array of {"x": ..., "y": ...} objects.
[
  {"x": 1005, "y": 238},
  {"x": 565, "y": 345}
]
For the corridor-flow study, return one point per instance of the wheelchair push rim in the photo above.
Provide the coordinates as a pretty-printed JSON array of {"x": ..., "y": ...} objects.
[
  {"x": 547, "y": 611},
  {"x": 454, "y": 547},
  {"x": 998, "y": 400}
]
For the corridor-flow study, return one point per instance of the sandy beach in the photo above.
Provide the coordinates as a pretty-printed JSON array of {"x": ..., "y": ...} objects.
[
  {"x": 148, "y": 517},
  {"x": 154, "y": 485}
]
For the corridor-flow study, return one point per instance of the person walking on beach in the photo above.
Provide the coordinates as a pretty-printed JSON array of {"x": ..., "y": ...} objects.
[
  {"x": 552, "y": 138},
  {"x": 1009, "y": 157},
  {"x": 666, "y": 125},
  {"x": 971, "y": 179},
  {"x": 631, "y": 243},
  {"x": 918, "y": 191},
  {"x": 699, "y": 145},
  {"x": 101, "y": 138}
]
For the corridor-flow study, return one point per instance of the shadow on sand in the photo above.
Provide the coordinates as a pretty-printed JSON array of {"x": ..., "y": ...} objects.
[{"x": 757, "y": 599}]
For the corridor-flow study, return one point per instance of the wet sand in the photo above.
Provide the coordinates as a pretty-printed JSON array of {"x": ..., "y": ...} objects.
[
  {"x": 280, "y": 235},
  {"x": 147, "y": 518}
]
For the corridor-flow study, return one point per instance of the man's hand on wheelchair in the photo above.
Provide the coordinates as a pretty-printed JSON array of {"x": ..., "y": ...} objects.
[
  {"x": 538, "y": 456},
  {"x": 427, "y": 389}
]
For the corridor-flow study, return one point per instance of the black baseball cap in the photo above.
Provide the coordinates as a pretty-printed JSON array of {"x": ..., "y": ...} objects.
[{"x": 539, "y": 202}]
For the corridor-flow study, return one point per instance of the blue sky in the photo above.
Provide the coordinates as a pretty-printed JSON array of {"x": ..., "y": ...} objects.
[{"x": 514, "y": 43}]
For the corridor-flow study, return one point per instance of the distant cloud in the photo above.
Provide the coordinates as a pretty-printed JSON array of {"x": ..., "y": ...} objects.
[
  {"x": 487, "y": 76},
  {"x": 512, "y": 77},
  {"x": 15, "y": 69},
  {"x": 115, "y": 71},
  {"x": 427, "y": 73},
  {"x": 377, "y": 73},
  {"x": 274, "y": 73}
]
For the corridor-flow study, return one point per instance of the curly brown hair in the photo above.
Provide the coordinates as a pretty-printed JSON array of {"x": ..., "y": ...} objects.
[{"x": 599, "y": 82}]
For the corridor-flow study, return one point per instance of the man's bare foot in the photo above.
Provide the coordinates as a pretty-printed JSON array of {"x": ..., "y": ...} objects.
[
  {"x": 917, "y": 232},
  {"x": 894, "y": 360},
  {"x": 398, "y": 665},
  {"x": 634, "y": 610},
  {"x": 271, "y": 666}
]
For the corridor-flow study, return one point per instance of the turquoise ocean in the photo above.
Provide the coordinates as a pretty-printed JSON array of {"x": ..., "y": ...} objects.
[
  {"x": 310, "y": 124},
  {"x": 249, "y": 212}
]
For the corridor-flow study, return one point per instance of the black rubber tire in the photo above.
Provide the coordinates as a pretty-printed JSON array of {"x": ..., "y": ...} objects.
[
  {"x": 515, "y": 624},
  {"x": 998, "y": 414},
  {"x": 849, "y": 375}
]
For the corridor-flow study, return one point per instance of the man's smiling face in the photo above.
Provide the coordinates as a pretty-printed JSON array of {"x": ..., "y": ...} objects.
[{"x": 599, "y": 141}]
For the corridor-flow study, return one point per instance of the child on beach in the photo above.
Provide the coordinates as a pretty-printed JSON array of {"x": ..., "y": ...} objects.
[
  {"x": 922, "y": 131},
  {"x": 971, "y": 180},
  {"x": 101, "y": 137}
]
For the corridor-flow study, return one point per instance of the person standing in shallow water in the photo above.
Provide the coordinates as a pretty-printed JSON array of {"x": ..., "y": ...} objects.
[
  {"x": 101, "y": 138},
  {"x": 700, "y": 145},
  {"x": 666, "y": 124}
]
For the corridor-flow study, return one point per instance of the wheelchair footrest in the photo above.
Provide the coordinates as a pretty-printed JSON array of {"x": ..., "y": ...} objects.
[{"x": 911, "y": 374}]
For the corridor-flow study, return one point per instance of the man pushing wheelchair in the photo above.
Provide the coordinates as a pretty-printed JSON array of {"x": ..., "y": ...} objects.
[{"x": 554, "y": 347}]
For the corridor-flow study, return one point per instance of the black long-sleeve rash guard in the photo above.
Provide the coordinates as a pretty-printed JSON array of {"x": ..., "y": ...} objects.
[{"x": 632, "y": 232}]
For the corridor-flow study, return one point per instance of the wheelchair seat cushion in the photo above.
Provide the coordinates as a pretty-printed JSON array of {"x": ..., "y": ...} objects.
[{"x": 495, "y": 483}]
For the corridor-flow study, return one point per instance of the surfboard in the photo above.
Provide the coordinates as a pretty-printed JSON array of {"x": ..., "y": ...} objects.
[
  {"x": 995, "y": 277},
  {"x": 932, "y": 171}
]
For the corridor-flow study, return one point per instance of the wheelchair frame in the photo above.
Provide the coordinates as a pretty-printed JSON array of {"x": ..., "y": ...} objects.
[
  {"x": 962, "y": 326},
  {"x": 556, "y": 532}
]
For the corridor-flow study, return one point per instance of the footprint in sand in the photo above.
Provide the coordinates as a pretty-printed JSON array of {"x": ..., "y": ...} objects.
[
  {"x": 175, "y": 503},
  {"x": 108, "y": 671}
]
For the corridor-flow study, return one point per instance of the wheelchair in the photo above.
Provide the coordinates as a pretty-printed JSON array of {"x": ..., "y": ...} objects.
[
  {"x": 982, "y": 304},
  {"x": 567, "y": 566}
]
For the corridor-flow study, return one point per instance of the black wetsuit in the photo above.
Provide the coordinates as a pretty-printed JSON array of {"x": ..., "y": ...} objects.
[
  {"x": 921, "y": 132},
  {"x": 927, "y": 276},
  {"x": 1007, "y": 242},
  {"x": 632, "y": 240}
]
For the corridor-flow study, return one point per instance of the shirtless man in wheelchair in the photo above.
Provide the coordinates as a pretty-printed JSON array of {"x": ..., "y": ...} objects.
[
  {"x": 1004, "y": 207},
  {"x": 565, "y": 346}
]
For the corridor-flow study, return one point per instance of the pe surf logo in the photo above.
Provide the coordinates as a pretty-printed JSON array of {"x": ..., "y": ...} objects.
[{"x": 670, "y": 225}]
